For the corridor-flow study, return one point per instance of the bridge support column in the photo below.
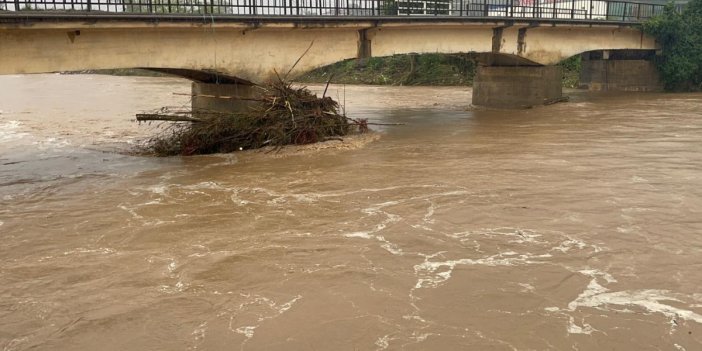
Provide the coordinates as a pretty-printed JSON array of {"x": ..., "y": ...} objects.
[
  {"x": 619, "y": 70},
  {"x": 516, "y": 86},
  {"x": 210, "y": 97}
]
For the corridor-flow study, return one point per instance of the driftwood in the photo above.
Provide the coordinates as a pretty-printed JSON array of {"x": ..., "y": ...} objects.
[
  {"x": 225, "y": 97},
  {"x": 279, "y": 116},
  {"x": 142, "y": 117}
]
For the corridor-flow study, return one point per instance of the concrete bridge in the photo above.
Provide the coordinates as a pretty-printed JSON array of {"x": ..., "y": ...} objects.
[{"x": 226, "y": 53}]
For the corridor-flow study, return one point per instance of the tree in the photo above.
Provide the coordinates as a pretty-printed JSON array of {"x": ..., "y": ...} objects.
[{"x": 680, "y": 35}]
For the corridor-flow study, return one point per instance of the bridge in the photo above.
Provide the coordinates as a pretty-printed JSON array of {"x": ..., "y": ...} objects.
[{"x": 226, "y": 46}]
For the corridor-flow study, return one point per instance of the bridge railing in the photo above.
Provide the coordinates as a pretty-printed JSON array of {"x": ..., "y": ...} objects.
[{"x": 604, "y": 10}]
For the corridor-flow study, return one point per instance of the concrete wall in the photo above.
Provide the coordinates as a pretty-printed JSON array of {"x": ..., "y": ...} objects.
[
  {"x": 251, "y": 51},
  {"x": 516, "y": 87},
  {"x": 619, "y": 75}
]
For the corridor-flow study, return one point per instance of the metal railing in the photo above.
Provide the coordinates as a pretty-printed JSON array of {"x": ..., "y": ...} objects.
[{"x": 598, "y": 10}]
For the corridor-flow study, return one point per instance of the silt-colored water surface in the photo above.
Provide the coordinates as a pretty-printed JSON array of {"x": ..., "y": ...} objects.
[{"x": 573, "y": 226}]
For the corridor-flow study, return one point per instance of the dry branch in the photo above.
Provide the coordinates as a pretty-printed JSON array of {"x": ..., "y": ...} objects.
[
  {"x": 281, "y": 115},
  {"x": 143, "y": 117}
]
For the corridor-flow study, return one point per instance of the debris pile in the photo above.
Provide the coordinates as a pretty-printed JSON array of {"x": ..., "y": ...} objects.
[{"x": 280, "y": 115}]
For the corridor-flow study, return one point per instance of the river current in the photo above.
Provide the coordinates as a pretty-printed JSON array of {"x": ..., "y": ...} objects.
[{"x": 572, "y": 226}]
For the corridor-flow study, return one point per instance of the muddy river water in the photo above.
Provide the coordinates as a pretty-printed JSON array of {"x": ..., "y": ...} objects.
[{"x": 572, "y": 226}]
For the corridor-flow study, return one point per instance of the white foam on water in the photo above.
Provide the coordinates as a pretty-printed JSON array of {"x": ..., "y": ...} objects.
[
  {"x": 173, "y": 289},
  {"x": 157, "y": 222},
  {"x": 652, "y": 301},
  {"x": 16, "y": 344},
  {"x": 172, "y": 266},
  {"x": 51, "y": 143},
  {"x": 567, "y": 245},
  {"x": 387, "y": 245},
  {"x": 199, "y": 334},
  {"x": 383, "y": 342},
  {"x": 372, "y": 234},
  {"x": 363, "y": 235},
  {"x": 637, "y": 179},
  {"x": 205, "y": 185},
  {"x": 390, "y": 247},
  {"x": 81, "y": 250},
  {"x": 9, "y": 131},
  {"x": 159, "y": 189},
  {"x": 237, "y": 200},
  {"x": 248, "y": 330},
  {"x": 432, "y": 274},
  {"x": 576, "y": 329},
  {"x": 516, "y": 235},
  {"x": 421, "y": 337},
  {"x": 278, "y": 309},
  {"x": 430, "y": 213},
  {"x": 527, "y": 288}
]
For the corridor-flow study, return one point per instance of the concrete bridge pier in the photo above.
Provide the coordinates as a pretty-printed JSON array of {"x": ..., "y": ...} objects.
[
  {"x": 516, "y": 86},
  {"x": 619, "y": 70},
  {"x": 221, "y": 97}
]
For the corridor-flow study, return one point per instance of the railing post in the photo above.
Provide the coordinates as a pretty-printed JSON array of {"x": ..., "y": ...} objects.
[
  {"x": 90, "y": 5},
  {"x": 590, "y": 11},
  {"x": 509, "y": 10},
  {"x": 533, "y": 8},
  {"x": 460, "y": 11},
  {"x": 17, "y": 6},
  {"x": 553, "y": 15},
  {"x": 624, "y": 12},
  {"x": 151, "y": 6},
  {"x": 572, "y": 10}
]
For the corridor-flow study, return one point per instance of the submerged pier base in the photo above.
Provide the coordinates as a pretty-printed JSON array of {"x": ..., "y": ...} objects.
[
  {"x": 517, "y": 86},
  {"x": 226, "y": 98},
  {"x": 619, "y": 70}
]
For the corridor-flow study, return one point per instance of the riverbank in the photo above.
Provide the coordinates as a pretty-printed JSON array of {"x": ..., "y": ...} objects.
[
  {"x": 416, "y": 69},
  {"x": 425, "y": 69}
]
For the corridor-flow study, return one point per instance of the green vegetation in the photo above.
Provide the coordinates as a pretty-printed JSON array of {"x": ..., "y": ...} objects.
[
  {"x": 680, "y": 35},
  {"x": 571, "y": 71},
  {"x": 389, "y": 7},
  {"x": 416, "y": 69},
  {"x": 413, "y": 69}
]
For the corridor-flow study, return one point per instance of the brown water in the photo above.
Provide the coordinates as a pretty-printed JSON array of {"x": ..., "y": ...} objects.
[{"x": 573, "y": 226}]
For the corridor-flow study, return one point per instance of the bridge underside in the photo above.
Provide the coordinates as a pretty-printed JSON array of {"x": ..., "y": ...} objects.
[{"x": 250, "y": 52}]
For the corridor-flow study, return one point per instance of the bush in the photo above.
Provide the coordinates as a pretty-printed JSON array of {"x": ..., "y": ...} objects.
[{"x": 680, "y": 36}]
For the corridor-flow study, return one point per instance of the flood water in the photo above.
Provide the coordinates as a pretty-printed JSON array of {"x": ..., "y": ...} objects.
[{"x": 572, "y": 226}]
